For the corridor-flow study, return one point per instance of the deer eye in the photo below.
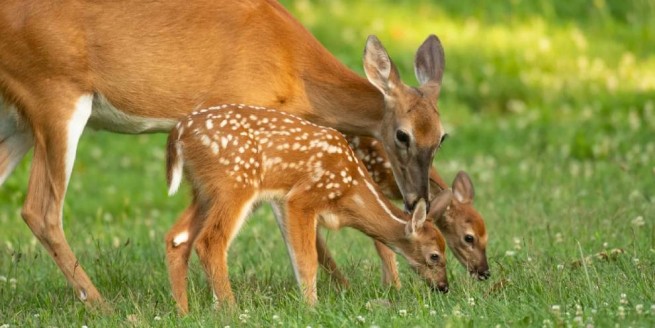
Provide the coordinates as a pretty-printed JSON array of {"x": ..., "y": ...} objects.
[
  {"x": 443, "y": 138},
  {"x": 469, "y": 239},
  {"x": 434, "y": 257},
  {"x": 402, "y": 138}
]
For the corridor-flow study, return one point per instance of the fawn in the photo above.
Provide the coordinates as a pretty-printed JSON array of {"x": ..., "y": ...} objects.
[
  {"x": 461, "y": 224},
  {"x": 236, "y": 156}
]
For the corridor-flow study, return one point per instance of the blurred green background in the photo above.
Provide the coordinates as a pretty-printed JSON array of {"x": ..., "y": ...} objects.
[{"x": 551, "y": 109}]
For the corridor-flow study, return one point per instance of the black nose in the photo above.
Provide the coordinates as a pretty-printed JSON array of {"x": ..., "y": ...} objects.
[
  {"x": 484, "y": 275},
  {"x": 443, "y": 287}
]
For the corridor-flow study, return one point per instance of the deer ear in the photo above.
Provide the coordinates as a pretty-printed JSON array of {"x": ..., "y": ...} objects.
[
  {"x": 418, "y": 219},
  {"x": 439, "y": 205},
  {"x": 379, "y": 68},
  {"x": 429, "y": 64},
  {"x": 463, "y": 188}
]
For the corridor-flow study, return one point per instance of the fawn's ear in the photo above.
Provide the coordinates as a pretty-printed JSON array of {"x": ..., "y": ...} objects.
[
  {"x": 379, "y": 68},
  {"x": 463, "y": 188},
  {"x": 418, "y": 219},
  {"x": 429, "y": 65},
  {"x": 439, "y": 205}
]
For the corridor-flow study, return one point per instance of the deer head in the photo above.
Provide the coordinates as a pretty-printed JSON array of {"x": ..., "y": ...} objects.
[
  {"x": 424, "y": 246},
  {"x": 411, "y": 130},
  {"x": 464, "y": 228}
]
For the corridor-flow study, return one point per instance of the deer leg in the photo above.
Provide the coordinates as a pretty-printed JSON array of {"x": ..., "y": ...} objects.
[
  {"x": 15, "y": 141},
  {"x": 328, "y": 263},
  {"x": 222, "y": 224},
  {"x": 55, "y": 145},
  {"x": 390, "y": 275},
  {"x": 299, "y": 231},
  {"x": 324, "y": 256},
  {"x": 179, "y": 241}
]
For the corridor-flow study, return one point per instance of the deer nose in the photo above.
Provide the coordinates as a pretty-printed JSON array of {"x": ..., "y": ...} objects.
[
  {"x": 443, "y": 287},
  {"x": 484, "y": 275},
  {"x": 410, "y": 202}
]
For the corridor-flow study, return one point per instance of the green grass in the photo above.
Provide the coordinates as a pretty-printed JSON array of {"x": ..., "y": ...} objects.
[{"x": 551, "y": 109}]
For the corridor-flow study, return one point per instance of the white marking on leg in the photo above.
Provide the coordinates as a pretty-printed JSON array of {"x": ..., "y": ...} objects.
[
  {"x": 76, "y": 124},
  {"x": 181, "y": 238}
]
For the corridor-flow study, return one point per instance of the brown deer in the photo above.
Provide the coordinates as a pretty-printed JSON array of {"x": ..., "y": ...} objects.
[
  {"x": 136, "y": 67},
  {"x": 462, "y": 225},
  {"x": 236, "y": 156}
]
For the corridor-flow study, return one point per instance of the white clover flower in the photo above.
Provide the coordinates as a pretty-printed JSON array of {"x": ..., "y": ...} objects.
[
  {"x": 276, "y": 317},
  {"x": 85, "y": 326},
  {"x": 624, "y": 299},
  {"x": 471, "y": 301},
  {"x": 547, "y": 323},
  {"x": 6, "y": 325},
  {"x": 361, "y": 319},
  {"x": 638, "y": 221},
  {"x": 606, "y": 244},
  {"x": 635, "y": 260},
  {"x": 639, "y": 308},
  {"x": 457, "y": 313},
  {"x": 652, "y": 309},
  {"x": 555, "y": 309},
  {"x": 3, "y": 279},
  {"x": 560, "y": 267},
  {"x": 510, "y": 253},
  {"x": 243, "y": 317},
  {"x": 558, "y": 238},
  {"x": 578, "y": 319},
  {"x": 433, "y": 312},
  {"x": 36, "y": 315},
  {"x": 517, "y": 243},
  {"x": 621, "y": 312},
  {"x": 12, "y": 281},
  {"x": 402, "y": 313},
  {"x": 578, "y": 310},
  {"x": 157, "y": 318}
]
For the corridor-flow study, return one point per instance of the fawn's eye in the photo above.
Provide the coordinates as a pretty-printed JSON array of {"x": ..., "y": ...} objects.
[
  {"x": 469, "y": 239},
  {"x": 434, "y": 257},
  {"x": 443, "y": 138},
  {"x": 402, "y": 138}
]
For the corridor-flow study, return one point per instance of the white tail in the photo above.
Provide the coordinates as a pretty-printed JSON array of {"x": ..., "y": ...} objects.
[
  {"x": 237, "y": 156},
  {"x": 174, "y": 163}
]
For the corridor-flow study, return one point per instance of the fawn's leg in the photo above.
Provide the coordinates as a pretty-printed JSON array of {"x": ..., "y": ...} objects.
[
  {"x": 179, "y": 241},
  {"x": 224, "y": 219},
  {"x": 299, "y": 231},
  {"x": 324, "y": 256},
  {"x": 389, "y": 266},
  {"x": 328, "y": 263}
]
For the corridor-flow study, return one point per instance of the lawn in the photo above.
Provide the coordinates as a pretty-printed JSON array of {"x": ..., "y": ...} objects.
[{"x": 550, "y": 106}]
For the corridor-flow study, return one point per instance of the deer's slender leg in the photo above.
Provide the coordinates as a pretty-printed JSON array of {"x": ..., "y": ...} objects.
[
  {"x": 390, "y": 275},
  {"x": 179, "y": 241},
  {"x": 225, "y": 215},
  {"x": 56, "y": 133},
  {"x": 328, "y": 263},
  {"x": 299, "y": 229}
]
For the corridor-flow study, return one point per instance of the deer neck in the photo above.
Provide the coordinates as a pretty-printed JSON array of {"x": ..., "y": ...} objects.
[
  {"x": 342, "y": 99},
  {"x": 374, "y": 215}
]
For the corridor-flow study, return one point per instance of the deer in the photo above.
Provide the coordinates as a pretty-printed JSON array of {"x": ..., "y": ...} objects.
[
  {"x": 236, "y": 156},
  {"x": 72, "y": 64},
  {"x": 461, "y": 224}
]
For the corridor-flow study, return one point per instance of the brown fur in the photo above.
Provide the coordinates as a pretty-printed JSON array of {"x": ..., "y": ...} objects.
[
  {"x": 459, "y": 219},
  {"x": 158, "y": 61},
  {"x": 237, "y": 156}
]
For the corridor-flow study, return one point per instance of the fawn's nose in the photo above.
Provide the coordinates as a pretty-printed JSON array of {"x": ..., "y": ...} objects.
[
  {"x": 410, "y": 202},
  {"x": 443, "y": 287}
]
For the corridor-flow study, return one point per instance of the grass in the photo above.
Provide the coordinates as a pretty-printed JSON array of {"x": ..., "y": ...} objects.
[{"x": 551, "y": 109}]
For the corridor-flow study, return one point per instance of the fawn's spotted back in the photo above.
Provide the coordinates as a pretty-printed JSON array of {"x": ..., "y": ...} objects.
[{"x": 269, "y": 150}]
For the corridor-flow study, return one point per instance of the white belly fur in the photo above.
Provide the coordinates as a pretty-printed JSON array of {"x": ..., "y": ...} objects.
[{"x": 105, "y": 116}]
